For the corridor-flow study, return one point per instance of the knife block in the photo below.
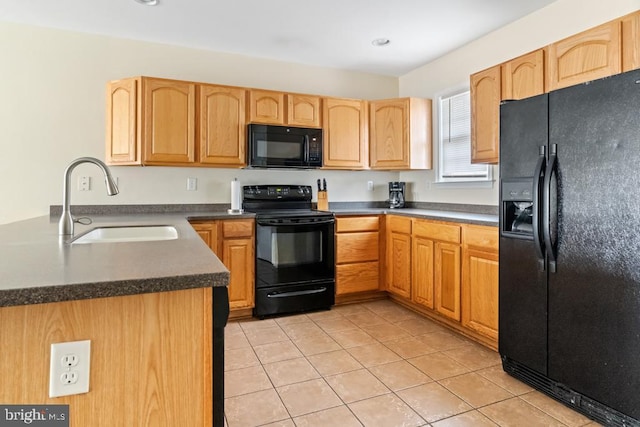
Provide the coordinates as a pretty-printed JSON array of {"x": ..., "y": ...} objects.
[{"x": 323, "y": 202}]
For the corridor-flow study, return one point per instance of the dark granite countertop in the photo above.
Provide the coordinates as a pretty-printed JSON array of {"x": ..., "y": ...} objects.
[{"x": 37, "y": 266}]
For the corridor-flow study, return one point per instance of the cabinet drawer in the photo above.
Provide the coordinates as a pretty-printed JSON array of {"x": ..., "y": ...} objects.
[
  {"x": 435, "y": 231},
  {"x": 399, "y": 224},
  {"x": 357, "y": 223},
  {"x": 237, "y": 228},
  {"x": 481, "y": 237},
  {"x": 358, "y": 277},
  {"x": 356, "y": 247}
]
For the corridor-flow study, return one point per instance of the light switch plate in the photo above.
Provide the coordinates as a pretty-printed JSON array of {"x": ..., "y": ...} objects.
[{"x": 69, "y": 368}]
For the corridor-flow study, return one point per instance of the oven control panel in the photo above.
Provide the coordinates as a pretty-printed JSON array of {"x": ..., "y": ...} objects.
[{"x": 275, "y": 192}]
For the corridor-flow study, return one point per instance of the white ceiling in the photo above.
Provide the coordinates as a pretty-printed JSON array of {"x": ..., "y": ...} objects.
[{"x": 331, "y": 33}]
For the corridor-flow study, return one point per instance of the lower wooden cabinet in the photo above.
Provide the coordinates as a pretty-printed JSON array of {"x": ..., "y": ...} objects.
[
  {"x": 447, "y": 280},
  {"x": 398, "y": 255},
  {"x": 480, "y": 280},
  {"x": 233, "y": 242},
  {"x": 447, "y": 271},
  {"x": 357, "y": 254},
  {"x": 422, "y": 272},
  {"x": 436, "y": 267}
]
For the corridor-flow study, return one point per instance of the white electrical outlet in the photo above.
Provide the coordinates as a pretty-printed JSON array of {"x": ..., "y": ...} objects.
[
  {"x": 84, "y": 183},
  {"x": 192, "y": 184},
  {"x": 69, "y": 368},
  {"x": 370, "y": 185}
]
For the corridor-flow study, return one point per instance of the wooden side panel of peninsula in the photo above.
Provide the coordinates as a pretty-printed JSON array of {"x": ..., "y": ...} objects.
[{"x": 151, "y": 357}]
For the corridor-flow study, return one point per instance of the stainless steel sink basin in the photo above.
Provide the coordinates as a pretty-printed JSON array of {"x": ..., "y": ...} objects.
[{"x": 138, "y": 233}]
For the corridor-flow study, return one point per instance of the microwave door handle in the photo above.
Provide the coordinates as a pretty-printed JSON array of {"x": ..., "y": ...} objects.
[{"x": 306, "y": 149}]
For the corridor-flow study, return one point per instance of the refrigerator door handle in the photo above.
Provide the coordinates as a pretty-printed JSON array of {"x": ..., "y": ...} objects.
[
  {"x": 546, "y": 210},
  {"x": 537, "y": 235}
]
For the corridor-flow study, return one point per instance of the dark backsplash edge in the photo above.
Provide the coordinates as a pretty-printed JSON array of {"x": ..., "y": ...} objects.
[{"x": 55, "y": 210}]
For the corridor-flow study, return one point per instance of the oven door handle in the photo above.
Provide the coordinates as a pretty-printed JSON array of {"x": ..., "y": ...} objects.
[
  {"x": 287, "y": 222},
  {"x": 295, "y": 293}
]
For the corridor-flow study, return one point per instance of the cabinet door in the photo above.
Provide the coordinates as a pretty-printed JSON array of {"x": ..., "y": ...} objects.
[
  {"x": 222, "y": 126},
  {"x": 480, "y": 292},
  {"x": 399, "y": 264},
  {"x": 122, "y": 122},
  {"x": 631, "y": 42},
  {"x": 447, "y": 280},
  {"x": 303, "y": 110},
  {"x": 238, "y": 257},
  {"x": 208, "y": 231},
  {"x": 266, "y": 106},
  {"x": 168, "y": 116},
  {"x": 345, "y": 138},
  {"x": 388, "y": 134},
  {"x": 586, "y": 56},
  {"x": 485, "y": 116},
  {"x": 523, "y": 77},
  {"x": 422, "y": 274}
]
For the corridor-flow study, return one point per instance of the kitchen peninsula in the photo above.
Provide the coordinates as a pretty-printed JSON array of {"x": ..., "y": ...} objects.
[{"x": 154, "y": 312}]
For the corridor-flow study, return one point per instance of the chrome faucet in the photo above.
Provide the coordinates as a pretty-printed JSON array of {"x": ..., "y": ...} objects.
[{"x": 65, "y": 225}]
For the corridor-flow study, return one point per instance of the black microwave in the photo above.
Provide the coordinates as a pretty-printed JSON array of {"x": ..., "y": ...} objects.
[{"x": 284, "y": 147}]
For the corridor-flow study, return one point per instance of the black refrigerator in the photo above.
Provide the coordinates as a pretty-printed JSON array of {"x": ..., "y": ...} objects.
[{"x": 570, "y": 246}]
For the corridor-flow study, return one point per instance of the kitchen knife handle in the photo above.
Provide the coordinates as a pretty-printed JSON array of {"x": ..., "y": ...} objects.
[
  {"x": 537, "y": 235},
  {"x": 546, "y": 211}
]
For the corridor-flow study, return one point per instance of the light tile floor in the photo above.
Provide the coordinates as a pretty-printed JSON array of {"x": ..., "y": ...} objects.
[{"x": 373, "y": 364}]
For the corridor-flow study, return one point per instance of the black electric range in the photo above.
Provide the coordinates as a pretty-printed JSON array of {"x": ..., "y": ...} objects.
[{"x": 295, "y": 254}]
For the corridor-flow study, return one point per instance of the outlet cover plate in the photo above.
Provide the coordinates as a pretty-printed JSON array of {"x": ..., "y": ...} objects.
[{"x": 69, "y": 368}]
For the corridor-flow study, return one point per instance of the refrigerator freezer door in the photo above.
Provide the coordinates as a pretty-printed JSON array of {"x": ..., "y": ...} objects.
[
  {"x": 523, "y": 286},
  {"x": 594, "y": 297}
]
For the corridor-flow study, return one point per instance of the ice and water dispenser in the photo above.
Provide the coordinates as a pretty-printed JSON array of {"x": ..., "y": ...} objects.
[{"x": 517, "y": 208}]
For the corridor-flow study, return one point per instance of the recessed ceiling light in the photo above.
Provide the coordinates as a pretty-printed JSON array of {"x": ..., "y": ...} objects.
[
  {"x": 148, "y": 2},
  {"x": 380, "y": 42}
]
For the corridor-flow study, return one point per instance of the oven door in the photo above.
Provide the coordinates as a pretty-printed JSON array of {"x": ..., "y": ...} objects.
[
  {"x": 294, "y": 264},
  {"x": 294, "y": 250}
]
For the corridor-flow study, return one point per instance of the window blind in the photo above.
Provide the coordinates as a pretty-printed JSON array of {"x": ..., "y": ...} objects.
[{"x": 455, "y": 144}]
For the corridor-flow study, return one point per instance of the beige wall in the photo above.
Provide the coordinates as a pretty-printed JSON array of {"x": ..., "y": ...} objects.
[
  {"x": 52, "y": 110},
  {"x": 554, "y": 22}
]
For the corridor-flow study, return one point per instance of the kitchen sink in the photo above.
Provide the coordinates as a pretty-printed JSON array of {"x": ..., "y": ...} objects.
[{"x": 138, "y": 233}]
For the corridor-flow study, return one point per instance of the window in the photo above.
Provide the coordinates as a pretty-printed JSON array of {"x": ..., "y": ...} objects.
[{"x": 454, "y": 145}]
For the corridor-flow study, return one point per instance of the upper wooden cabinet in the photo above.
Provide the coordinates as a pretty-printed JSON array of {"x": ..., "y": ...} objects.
[
  {"x": 168, "y": 121},
  {"x": 284, "y": 109},
  {"x": 523, "y": 77},
  {"x": 485, "y": 115},
  {"x": 400, "y": 134},
  {"x": 586, "y": 56},
  {"x": 123, "y": 142},
  {"x": 345, "y": 133},
  {"x": 150, "y": 121},
  {"x": 222, "y": 126},
  {"x": 266, "y": 106},
  {"x": 303, "y": 110},
  {"x": 631, "y": 41}
]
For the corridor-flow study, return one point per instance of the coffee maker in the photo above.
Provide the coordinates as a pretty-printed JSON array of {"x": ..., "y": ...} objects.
[{"x": 396, "y": 194}]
